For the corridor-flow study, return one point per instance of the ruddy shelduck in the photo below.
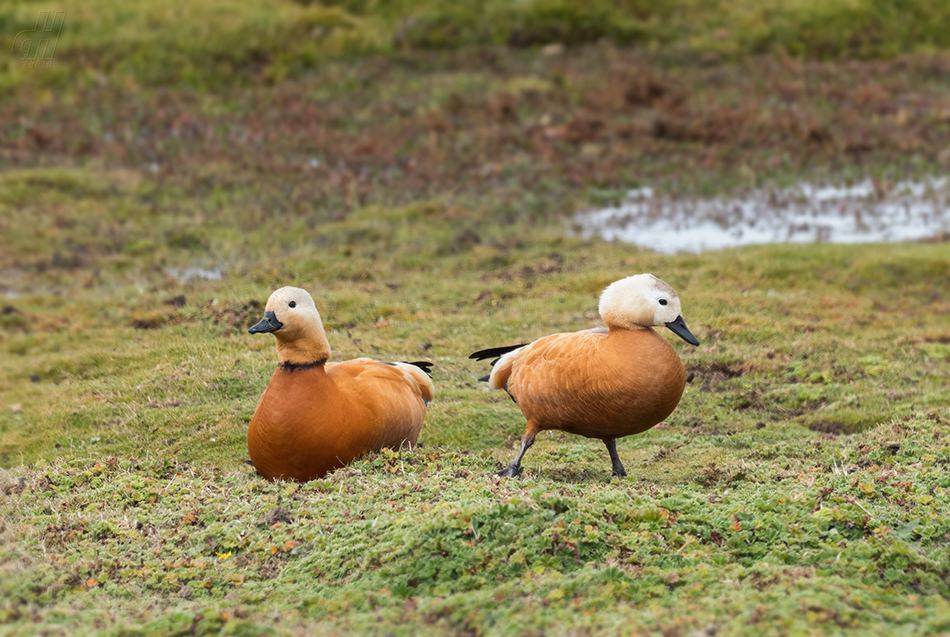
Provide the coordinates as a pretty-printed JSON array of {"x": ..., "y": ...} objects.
[
  {"x": 316, "y": 416},
  {"x": 600, "y": 383}
]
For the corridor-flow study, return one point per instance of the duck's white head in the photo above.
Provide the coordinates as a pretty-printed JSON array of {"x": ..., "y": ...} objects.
[
  {"x": 291, "y": 316},
  {"x": 643, "y": 301}
]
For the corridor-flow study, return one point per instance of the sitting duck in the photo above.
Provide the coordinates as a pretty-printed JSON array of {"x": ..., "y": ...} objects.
[{"x": 315, "y": 415}]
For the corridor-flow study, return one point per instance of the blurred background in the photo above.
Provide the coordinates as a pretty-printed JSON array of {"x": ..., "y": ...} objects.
[
  {"x": 442, "y": 176},
  {"x": 445, "y": 176}
]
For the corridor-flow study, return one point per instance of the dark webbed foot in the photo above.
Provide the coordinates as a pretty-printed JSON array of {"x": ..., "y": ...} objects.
[
  {"x": 511, "y": 471},
  {"x": 514, "y": 469},
  {"x": 617, "y": 470}
]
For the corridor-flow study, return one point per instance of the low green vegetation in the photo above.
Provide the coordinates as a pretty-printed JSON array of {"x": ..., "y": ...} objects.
[
  {"x": 418, "y": 170},
  {"x": 800, "y": 486},
  {"x": 218, "y": 43},
  {"x": 810, "y": 536}
]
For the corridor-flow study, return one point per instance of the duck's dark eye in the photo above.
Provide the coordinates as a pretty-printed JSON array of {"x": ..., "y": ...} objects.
[
  {"x": 294, "y": 303},
  {"x": 662, "y": 302}
]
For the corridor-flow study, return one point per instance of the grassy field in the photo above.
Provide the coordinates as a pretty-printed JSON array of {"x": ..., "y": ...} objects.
[
  {"x": 218, "y": 43},
  {"x": 418, "y": 170}
]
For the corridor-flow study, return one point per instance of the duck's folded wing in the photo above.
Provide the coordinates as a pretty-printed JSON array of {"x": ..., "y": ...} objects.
[
  {"x": 560, "y": 367},
  {"x": 418, "y": 374},
  {"x": 368, "y": 375},
  {"x": 388, "y": 401}
]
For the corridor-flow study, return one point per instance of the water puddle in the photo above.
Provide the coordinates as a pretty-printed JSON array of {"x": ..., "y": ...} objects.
[
  {"x": 861, "y": 213},
  {"x": 187, "y": 275}
]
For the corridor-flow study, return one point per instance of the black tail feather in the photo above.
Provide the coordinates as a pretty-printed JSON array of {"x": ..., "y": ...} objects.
[
  {"x": 495, "y": 352},
  {"x": 425, "y": 366}
]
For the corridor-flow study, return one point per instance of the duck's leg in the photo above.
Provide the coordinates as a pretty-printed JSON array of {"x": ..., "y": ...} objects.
[
  {"x": 617, "y": 467},
  {"x": 514, "y": 469}
]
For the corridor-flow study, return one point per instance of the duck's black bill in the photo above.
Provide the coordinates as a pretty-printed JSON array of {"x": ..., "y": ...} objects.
[
  {"x": 678, "y": 327},
  {"x": 270, "y": 324}
]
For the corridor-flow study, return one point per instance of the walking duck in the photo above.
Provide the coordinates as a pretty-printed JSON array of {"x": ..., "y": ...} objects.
[{"x": 599, "y": 383}]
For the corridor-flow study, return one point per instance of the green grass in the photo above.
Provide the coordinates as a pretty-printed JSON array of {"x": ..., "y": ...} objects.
[
  {"x": 213, "y": 44},
  {"x": 426, "y": 199},
  {"x": 812, "y": 536},
  {"x": 799, "y": 486}
]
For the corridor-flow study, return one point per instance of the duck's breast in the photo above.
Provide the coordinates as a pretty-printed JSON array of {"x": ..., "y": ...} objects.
[{"x": 302, "y": 427}]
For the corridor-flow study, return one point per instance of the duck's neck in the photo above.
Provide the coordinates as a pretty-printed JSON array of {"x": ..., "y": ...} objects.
[
  {"x": 629, "y": 327},
  {"x": 305, "y": 351}
]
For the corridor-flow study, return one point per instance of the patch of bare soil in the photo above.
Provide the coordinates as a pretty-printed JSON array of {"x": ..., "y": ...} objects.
[
  {"x": 711, "y": 375},
  {"x": 591, "y": 118}
]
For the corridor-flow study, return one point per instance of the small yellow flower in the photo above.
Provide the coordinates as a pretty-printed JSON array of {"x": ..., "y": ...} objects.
[{"x": 224, "y": 556}]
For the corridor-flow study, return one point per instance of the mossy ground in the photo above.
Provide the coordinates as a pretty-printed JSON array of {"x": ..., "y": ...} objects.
[
  {"x": 810, "y": 536},
  {"x": 426, "y": 201}
]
